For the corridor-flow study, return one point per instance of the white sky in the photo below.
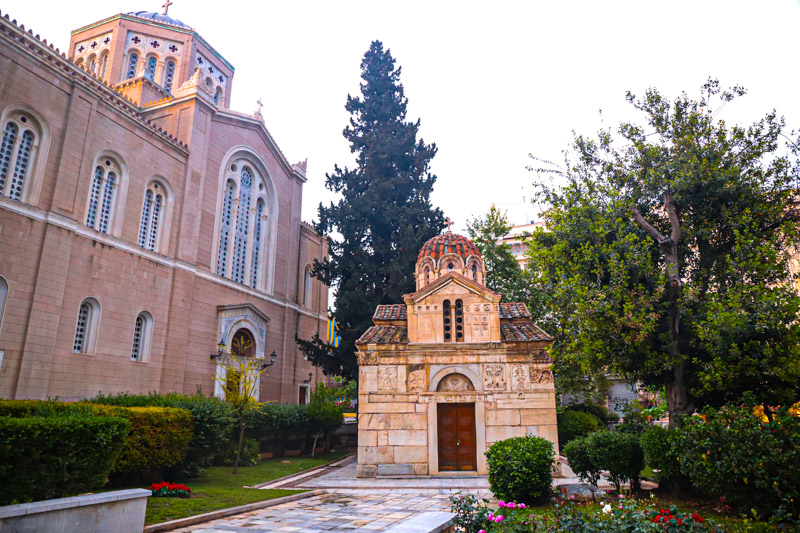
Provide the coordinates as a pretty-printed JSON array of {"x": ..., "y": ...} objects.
[{"x": 491, "y": 81}]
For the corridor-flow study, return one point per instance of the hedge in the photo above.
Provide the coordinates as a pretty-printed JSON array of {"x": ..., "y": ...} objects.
[
  {"x": 44, "y": 457},
  {"x": 618, "y": 453},
  {"x": 575, "y": 424},
  {"x": 213, "y": 422},
  {"x": 521, "y": 468}
]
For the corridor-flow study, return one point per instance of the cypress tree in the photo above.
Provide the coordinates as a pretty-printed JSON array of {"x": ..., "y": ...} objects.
[{"x": 384, "y": 214}]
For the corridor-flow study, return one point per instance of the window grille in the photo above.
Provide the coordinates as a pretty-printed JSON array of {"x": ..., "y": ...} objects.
[
  {"x": 151, "y": 68},
  {"x": 133, "y": 63},
  {"x": 108, "y": 200},
  {"x": 256, "y": 244},
  {"x": 242, "y": 227},
  {"x": 79, "y": 346},
  {"x": 97, "y": 185},
  {"x": 136, "y": 350},
  {"x": 225, "y": 229},
  {"x": 169, "y": 76},
  {"x": 144, "y": 227},
  {"x": 6, "y": 150},
  {"x": 153, "y": 237}
]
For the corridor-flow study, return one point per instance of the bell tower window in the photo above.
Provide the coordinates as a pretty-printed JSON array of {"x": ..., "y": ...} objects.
[
  {"x": 133, "y": 65},
  {"x": 448, "y": 326}
]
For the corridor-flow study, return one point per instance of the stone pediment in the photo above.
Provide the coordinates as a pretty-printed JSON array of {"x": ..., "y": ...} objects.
[{"x": 452, "y": 283}]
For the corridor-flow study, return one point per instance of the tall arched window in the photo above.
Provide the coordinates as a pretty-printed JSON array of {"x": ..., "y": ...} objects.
[
  {"x": 218, "y": 96},
  {"x": 133, "y": 65},
  {"x": 459, "y": 320},
  {"x": 142, "y": 334},
  {"x": 169, "y": 75},
  {"x": 91, "y": 64},
  {"x": 244, "y": 225},
  {"x": 103, "y": 65},
  {"x": 21, "y": 136},
  {"x": 150, "y": 70},
  {"x": 152, "y": 215},
  {"x": 3, "y": 298},
  {"x": 448, "y": 326},
  {"x": 102, "y": 194},
  {"x": 307, "y": 286},
  {"x": 86, "y": 326}
]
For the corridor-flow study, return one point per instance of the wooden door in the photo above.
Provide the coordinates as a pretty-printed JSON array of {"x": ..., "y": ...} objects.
[{"x": 456, "y": 432}]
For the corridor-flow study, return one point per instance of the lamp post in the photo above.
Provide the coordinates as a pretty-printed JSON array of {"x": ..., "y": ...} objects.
[
  {"x": 220, "y": 350},
  {"x": 272, "y": 357},
  {"x": 310, "y": 377}
]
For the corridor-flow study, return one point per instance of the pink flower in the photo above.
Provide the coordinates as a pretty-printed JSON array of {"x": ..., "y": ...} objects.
[
  {"x": 620, "y": 496},
  {"x": 501, "y": 503},
  {"x": 522, "y": 506},
  {"x": 510, "y": 505},
  {"x": 482, "y": 531},
  {"x": 491, "y": 516},
  {"x": 499, "y": 518}
]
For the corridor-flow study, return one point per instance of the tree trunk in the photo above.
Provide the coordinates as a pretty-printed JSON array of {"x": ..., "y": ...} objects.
[
  {"x": 675, "y": 385},
  {"x": 314, "y": 446},
  {"x": 239, "y": 447}
]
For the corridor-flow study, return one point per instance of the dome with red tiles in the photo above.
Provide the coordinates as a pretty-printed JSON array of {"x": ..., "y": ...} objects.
[{"x": 449, "y": 243}]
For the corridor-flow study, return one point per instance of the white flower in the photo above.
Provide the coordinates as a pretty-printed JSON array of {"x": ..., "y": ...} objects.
[{"x": 607, "y": 509}]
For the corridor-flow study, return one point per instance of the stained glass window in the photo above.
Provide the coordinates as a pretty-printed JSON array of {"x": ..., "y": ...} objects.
[
  {"x": 133, "y": 64},
  {"x": 150, "y": 73},
  {"x": 169, "y": 77},
  {"x": 144, "y": 227},
  {"x": 225, "y": 229},
  {"x": 6, "y": 151},
  {"x": 108, "y": 201},
  {"x": 258, "y": 226},
  {"x": 81, "y": 330},
  {"x": 94, "y": 197}
]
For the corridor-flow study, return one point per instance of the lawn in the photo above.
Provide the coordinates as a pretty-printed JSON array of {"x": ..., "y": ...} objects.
[{"x": 218, "y": 488}]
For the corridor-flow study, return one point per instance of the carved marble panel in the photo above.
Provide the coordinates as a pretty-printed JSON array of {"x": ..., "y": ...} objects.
[
  {"x": 494, "y": 377},
  {"x": 367, "y": 358},
  {"x": 417, "y": 381},
  {"x": 455, "y": 383},
  {"x": 520, "y": 380},
  {"x": 387, "y": 378},
  {"x": 541, "y": 376}
]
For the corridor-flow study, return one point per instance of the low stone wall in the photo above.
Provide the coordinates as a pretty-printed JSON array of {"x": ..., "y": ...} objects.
[
  {"x": 428, "y": 522},
  {"x": 120, "y": 511}
]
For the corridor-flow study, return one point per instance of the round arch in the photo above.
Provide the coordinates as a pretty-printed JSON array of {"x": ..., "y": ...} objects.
[
  {"x": 122, "y": 189},
  {"x": 41, "y": 146},
  {"x": 433, "y": 386}
]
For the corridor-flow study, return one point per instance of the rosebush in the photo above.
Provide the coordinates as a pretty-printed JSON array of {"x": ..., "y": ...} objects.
[
  {"x": 521, "y": 468},
  {"x": 575, "y": 424},
  {"x": 55, "y": 456},
  {"x": 618, "y": 453},
  {"x": 212, "y": 420},
  {"x": 580, "y": 461},
  {"x": 661, "y": 447},
  {"x": 750, "y": 461}
]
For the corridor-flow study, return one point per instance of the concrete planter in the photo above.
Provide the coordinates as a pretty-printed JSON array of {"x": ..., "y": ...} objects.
[{"x": 120, "y": 511}]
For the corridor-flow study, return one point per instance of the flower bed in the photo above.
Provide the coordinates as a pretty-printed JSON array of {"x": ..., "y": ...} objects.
[{"x": 166, "y": 489}]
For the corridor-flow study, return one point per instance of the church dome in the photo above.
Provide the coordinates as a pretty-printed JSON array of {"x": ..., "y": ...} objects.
[
  {"x": 449, "y": 243},
  {"x": 159, "y": 17}
]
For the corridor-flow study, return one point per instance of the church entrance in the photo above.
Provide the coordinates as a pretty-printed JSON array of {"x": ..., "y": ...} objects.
[{"x": 456, "y": 431}]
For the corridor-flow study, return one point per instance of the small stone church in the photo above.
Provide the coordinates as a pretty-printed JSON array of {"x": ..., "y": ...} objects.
[
  {"x": 450, "y": 371},
  {"x": 142, "y": 221}
]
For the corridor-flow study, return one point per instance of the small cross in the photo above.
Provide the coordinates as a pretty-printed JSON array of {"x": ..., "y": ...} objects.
[
  {"x": 155, "y": 44},
  {"x": 94, "y": 45},
  {"x": 107, "y": 40},
  {"x": 166, "y": 5},
  {"x": 81, "y": 49},
  {"x": 260, "y": 105},
  {"x": 173, "y": 48},
  {"x": 136, "y": 40},
  {"x": 448, "y": 223}
]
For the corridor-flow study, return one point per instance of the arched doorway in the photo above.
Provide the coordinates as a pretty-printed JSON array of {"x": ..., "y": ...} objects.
[
  {"x": 243, "y": 346},
  {"x": 456, "y": 435}
]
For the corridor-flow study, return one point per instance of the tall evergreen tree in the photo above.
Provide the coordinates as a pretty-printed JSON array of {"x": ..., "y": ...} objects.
[{"x": 384, "y": 215}]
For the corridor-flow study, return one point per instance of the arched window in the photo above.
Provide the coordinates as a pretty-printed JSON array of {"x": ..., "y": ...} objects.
[
  {"x": 243, "y": 231},
  {"x": 308, "y": 286},
  {"x": 86, "y": 326},
  {"x": 21, "y": 135},
  {"x": 150, "y": 70},
  {"x": 142, "y": 333},
  {"x": 218, "y": 96},
  {"x": 133, "y": 66},
  {"x": 459, "y": 320},
  {"x": 258, "y": 238},
  {"x": 427, "y": 275},
  {"x": 103, "y": 65},
  {"x": 152, "y": 214},
  {"x": 91, "y": 64},
  {"x": 169, "y": 75},
  {"x": 102, "y": 194},
  {"x": 3, "y": 298},
  {"x": 448, "y": 331}
]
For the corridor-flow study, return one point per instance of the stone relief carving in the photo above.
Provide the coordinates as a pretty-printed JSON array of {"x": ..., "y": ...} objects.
[
  {"x": 519, "y": 378},
  {"x": 387, "y": 378},
  {"x": 494, "y": 377},
  {"x": 541, "y": 376},
  {"x": 367, "y": 358},
  {"x": 417, "y": 381},
  {"x": 455, "y": 383}
]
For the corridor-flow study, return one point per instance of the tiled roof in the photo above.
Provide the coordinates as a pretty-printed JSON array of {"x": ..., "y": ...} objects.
[
  {"x": 384, "y": 335},
  {"x": 528, "y": 332},
  {"x": 514, "y": 310},
  {"x": 390, "y": 312},
  {"x": 449, "y": 243}
]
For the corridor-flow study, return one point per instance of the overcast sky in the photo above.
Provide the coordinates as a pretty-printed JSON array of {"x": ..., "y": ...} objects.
[{"x": 491, "y": 81}]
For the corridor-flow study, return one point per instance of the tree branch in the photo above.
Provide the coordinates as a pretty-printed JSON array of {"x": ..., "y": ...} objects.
[
  {"x": 674, "y": 222},
  {"x": 637, "y": 216}
]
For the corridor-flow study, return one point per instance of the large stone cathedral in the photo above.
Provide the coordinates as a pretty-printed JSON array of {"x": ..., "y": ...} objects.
[{"x": 144, "y": 225}]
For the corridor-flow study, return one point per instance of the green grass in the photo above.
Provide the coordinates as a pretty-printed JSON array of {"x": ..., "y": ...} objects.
[{"x": 218, "y": 488}]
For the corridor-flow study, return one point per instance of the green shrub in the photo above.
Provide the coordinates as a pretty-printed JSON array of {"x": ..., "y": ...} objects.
[
  {"x": 227, "y": 454},
  {"x": 574, "y": 424},
  {"x": 661, "y": 448},
  {"x": 618, "y": 453},
  {"x": 55, "y": 456},
  {"x": 580, "y": 460},
  {"x": 212, "y": 419},
  {"x": 521, "y": 468},
  {"x": 750, "y": 461},
  {"x": 606, "y": 417},
  {"x": 159, "y": 438}
]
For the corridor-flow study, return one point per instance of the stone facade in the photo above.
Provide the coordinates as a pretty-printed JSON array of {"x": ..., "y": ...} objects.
[
  {"x": 451, "y": 342},
  {"x": 76, "y": 227}
]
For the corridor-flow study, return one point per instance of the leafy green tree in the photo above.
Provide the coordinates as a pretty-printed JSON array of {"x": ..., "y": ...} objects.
[
  {"x": 666, "y": 259},
  {"x": 384, "y": 215},
  {"x": 503, "y": 273}
]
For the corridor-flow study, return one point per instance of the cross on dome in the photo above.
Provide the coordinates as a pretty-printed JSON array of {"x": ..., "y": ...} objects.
[
  {"x": 166, "y": 5},
  {"x": 447, "y": 224}
]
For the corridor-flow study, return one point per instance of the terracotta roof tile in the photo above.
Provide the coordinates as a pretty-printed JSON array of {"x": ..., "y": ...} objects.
[
  {"x": 514, "y": 310},
  {"x": 384, "y": 335},
  {"x": 527, "y": 332},
  {"x": 449, "y": 243},
  {"x": 390, "y": 312}
]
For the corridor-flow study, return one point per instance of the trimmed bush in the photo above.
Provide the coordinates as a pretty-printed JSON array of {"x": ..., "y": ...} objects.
[
  {"x": 227, "y": 454},
  {"x": 606, "y": 417},
  {"x": 521, "y": 468},
  {"x": 212, "y": 419},
  {"x": 44, "y": 457},
  {"x": 750, "y": 460},
  {"x": 580, "y": 460},
  {"x": 661, "y": 448},
  {"x": 159, "y": 438},
  {"x": 574, "y": 424}
]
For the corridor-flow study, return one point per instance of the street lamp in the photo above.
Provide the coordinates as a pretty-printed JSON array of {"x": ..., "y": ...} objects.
[
  {"x": 220, "y": 350},
  {"x": 310, "y": 377},
  {"x": 272, "y": 357}
]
